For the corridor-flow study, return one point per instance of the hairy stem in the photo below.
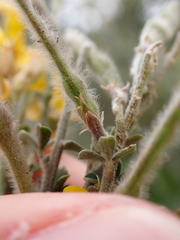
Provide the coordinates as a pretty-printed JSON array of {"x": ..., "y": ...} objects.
[
  {"x": 48, "y": 36},
  {"x": 47, "y": 97},
  {"x": 145, "y": 71},
  {"x": 50, "y": 171},
  {"x": 22, "y": 105},
  {"x": 14, "y": 160},
  {"x": 108, "y": 176},
  {"x": 148, "y": 159}
]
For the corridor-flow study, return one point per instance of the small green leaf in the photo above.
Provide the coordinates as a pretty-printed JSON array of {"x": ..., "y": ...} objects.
[
  {"x": 91, "y": 177},
  {"x": 35, "y": 168},
  {"x": 43, "y": 134},
  {"x": 25, "y": 128},
  {"x": 133, "y": 139},
  {"x": 60, "y": 172},
  {"x": 107, "y": 146},
  {"x": 113, "y": 131},
  {"x": 123, "y": 152},
  {"x": 110, "y": 130},
  {"x": 58, "y": 187},
  {"x": 28, "y": 138},
  {"x": 72, "y": 146},
  {"x": 90, "y": 155}
]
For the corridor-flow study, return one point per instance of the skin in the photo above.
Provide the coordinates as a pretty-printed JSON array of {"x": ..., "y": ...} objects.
[
  {"x": 86, "y": 216},
  {"x": 76, "y": 173}
]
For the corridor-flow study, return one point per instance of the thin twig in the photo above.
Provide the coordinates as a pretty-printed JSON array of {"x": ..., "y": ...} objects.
[
  {"x": 140, "y": 82},
  {"x": 50, "y": 172}
]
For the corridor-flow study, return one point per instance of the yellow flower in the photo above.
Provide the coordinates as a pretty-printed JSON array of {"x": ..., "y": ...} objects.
[
  {"x": 34, "y": 109},
  {"x": 14, "y": 33},
  {"x": 12, "y": 47},
  {"x": 56, "y": 102},
  {"x": 74, "y": 189},
  {"x": 39, "y": 85},
  {"x": 22, "y": 65},
  {"x": 4, "y": 89}
]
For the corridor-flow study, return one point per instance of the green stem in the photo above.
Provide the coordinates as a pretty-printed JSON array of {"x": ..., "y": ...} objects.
[
  {"x": 148, "y": 159},
  {"x": 108, "y": 176},
  {"x": 46, "y": 98},
  {"x": 22, "y": 105},
  {"x": 15, "y": 159},
  {"x": 120, "y": 132},
  {"x": 43, "y": 35},
  {"x": 50, "y": 172},
  {"x": 51, "y": 41},
  {"x": 138, "y": 88},
  {"x": 1, "y": 180}
]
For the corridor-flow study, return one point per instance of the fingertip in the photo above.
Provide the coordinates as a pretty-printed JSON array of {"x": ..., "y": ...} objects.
[
  {"x": 85, "y": 216},
  {"x": 76, "y": 169}
]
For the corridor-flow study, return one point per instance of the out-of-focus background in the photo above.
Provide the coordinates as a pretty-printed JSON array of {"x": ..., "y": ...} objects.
[{"x": 115, "y": 27}]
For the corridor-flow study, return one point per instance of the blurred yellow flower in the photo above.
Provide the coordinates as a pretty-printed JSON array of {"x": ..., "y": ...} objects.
[
  {"x": 4, "y": 89},
  {"x": 12, "y": 38},
  {"x": 56, "y": 102},
  {"x": 39, "y": 85},
  {"x": 74, "y": 189},
  {"x": 22, "y": 68},
  {"x": 34, "y": 110}
]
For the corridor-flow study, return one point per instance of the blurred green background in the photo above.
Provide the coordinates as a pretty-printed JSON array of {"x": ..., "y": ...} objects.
[{"x": 115, "y": 27}]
